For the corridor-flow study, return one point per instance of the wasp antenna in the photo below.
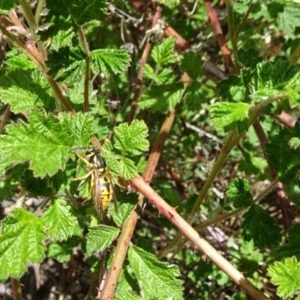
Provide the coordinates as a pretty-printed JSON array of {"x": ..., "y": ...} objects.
[{"x": 74, "y": 149}]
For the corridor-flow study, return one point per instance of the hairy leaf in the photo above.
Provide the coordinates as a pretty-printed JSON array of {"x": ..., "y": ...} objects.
[
  {"x": 276, "y": 78},
  {"x": 80, "y": 12},
  {"x": 44, "y": 141},
  {"x": 261, "y": 227},
  {"x": 131, "y": 138},
  {"x": 67, "y": 64},
  {"x": 162, "y": 98},
  {"x": 99, "y": 238},
  {"x": 155, "y": 277},
  {"x": 21, "y": 241},
  {"x": 195, "y": 96},
  {"x": 7, "y": 5},
  {"x": 229, "y": 115},
  {"x": 192, "y": 63},
  {"x": 239, "y": 193},
  {"x": 163, "y": 54},
  {"x": 113, "y": 60},
  {"x": 25, "y": 90},
  {"x": 286, "y": 275},
  {"x": 285, "y": 159},
  {"x": 235, "y": 88},
  {"x": 291, "y": 249},
  {"x": 62, "y": 251},
  {"x": 60, "y": 220}
]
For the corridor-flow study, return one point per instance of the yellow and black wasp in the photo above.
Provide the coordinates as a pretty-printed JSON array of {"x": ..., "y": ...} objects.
[{"x": 101, "y": 187}]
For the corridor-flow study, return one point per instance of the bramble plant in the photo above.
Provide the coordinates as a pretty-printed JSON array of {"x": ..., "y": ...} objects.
[{"x": 196, "y": 119}]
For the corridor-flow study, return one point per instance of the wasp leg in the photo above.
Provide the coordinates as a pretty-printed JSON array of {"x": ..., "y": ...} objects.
[
  {"x": 84, "y": 160},
  {"x": 83, "y": 177}
]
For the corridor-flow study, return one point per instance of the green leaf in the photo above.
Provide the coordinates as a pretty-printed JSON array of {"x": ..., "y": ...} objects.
[
  {"x": 126, "y": 203},
  {"x": 131, "y": 138},
  {"x": 21, "y": 241},
  {"x": 169, "y": 3},
  {"x": 275, "y": 78},
  {"x": 62, "y": 39},
  {"x": 293, "y": 191},
  {"x": 285, "y": 159},
  {"x": 62, "y": 251},
  {"x": 162, "y": 98},
  {"x": 119, "y": 166},
  {"x": 47, "y": 186},
  {"x": 155, "y": 277},
  {"x": 60, "y": 220},
  {"x": 67, "y": 64},
  {"x": 235, "y": 88},
  {"x": 99, "y": 238},
  {"x": 16, "y": 61},
  {"x": 195, "y": 96},
  {"x": 286, "y": 275},
  {"x": 44, "y": 141},
  {"x": 10, "y": 182},
  {"x": 127, "y": 287},
  {"x": 192, "y": 64},
  {"x": 274, "y": 75},
  {"x": 7, "y": 5},
  {"x": 252, "y": 164},
  {"x": 291, "y": 249},
  {"x": 229, "y": 115},
  {"x": 25, "y": 90},
  {"x": 239, "y": 193},
  {"x": 126, "y": 296},
  {"x": 106, "y": 60},
  {"x": 287, "y": 20},
  {"x": 250, "y": 58},
  {"x": 81, "y": 12},
  {"x": 164, "y": 54},
  {"x": 149, "y": 72},
  {"x": 294, "y": 142},
  {"x": 164, "y": 77},
  {"x": 261, "y": 227}
]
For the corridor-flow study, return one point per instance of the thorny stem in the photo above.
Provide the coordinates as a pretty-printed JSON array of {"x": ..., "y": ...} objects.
[
  {"x": 138, "y": 83},
  {"x": 129, "y": 226},
  {"x": 219, "y": 34},
  {"x": 15, "y": 285},
  {"x": 34, "y": 55},
  {"x": 4, "y": 117},
  {"x": 170, "y": 213},
  {"x": 245, "y": 18},
  {"x": 231, "y": 141},
  {"x": 86, "y": 105},
  {"x": 230, "y": 17},
  {"x": 219, "y": 219}
]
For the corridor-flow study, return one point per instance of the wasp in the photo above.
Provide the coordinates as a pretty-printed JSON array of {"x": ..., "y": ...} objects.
[{"x": 101, "y": 187}]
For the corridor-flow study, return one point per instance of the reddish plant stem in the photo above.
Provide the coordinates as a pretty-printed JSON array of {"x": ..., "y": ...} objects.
[
  {"x": 138, "y": 83},
  {"x": 16, "y": 289},
  {"x": 86, "y": 105},
  {"x": 283, "y": 199},
  {"x": 129, "y": 226},
  {"x": 4, "y": 117},
  {"x": 35, "y": 56},
  {"x": 170, "y": 213},
  {"x": 219, "y": 34}
]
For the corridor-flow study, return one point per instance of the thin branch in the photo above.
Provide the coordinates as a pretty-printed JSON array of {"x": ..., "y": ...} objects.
[
  {"x": 4, "y": 117},
  {"x": 16, "y": 289},
  {"x": 86, "y": 105},
  {"x": 219, "y": 34},
  {"x": 170, "y": 213},
  {"x": 129, "y": 226}
]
